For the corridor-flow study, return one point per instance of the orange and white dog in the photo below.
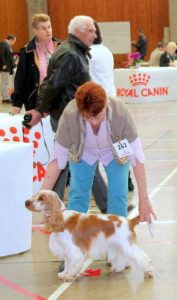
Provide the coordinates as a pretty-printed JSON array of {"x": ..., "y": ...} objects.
[{"x": 77, "y": 236}]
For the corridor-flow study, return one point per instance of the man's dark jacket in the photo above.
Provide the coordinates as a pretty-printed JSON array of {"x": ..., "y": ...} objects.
[
  {"x": 6, "y": 57},
  {"x": 166, "y": 58},
  {"x": 141, "y": 46},
  {"x": 27, "y": 77},
  {"x": 68, "y": 69}
]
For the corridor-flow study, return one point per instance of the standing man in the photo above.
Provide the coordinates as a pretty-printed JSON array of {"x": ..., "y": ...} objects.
[
  {"x": 33, "y": 64},
  {"x": 6, "y": 65},
  {"x": 141, "y": 44},
  {"x": 68, "y": 69}
]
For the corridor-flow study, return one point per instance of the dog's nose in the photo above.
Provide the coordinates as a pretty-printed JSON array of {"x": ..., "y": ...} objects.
[{"x": 27, "y": 202}]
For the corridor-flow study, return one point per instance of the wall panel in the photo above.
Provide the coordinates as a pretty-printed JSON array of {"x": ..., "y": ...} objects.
[
  {"x": 159, "y": 19},
  {"x": 151, "y": 15},
  {"x": 14, "y": 20},
  {"x": 61, "y": 11}
]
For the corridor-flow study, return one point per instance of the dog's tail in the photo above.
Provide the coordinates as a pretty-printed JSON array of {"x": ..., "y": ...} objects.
[{"x": 133, "y": 222}]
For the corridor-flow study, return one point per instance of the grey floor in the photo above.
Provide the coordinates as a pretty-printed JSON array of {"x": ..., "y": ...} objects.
[{"x": 33, "y": 275}]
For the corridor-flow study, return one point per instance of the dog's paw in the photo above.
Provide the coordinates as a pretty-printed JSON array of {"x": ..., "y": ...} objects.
[
  {"x": 61, "y": 275},
  {"x": 114, "y": 269},
  {"x": 118, "y": 269},
  {"x": 149, "y": 271},
  {"x": 68, "y": 278},
  {"x": 148, "y": 274},
  {"x": 64, "y": 277}
]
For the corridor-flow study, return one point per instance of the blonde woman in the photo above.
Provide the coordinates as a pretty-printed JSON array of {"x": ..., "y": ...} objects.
[{"x": 169, "y": 57}]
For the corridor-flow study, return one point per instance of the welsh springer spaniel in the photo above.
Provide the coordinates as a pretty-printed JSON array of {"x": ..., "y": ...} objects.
[{"x": 77, "y": 236}]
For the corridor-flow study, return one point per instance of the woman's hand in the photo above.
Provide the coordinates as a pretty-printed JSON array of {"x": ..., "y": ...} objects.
[{"x": 146, "y": 211}]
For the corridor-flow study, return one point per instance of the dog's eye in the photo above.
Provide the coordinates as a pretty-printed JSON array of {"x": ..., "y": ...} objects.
[{"x": 40, "y": 199}]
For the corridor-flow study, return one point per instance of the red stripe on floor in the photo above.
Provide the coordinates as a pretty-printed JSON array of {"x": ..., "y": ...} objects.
[
  {"x": 40, "y": 230},
  {"x": 19, "y": 289}
]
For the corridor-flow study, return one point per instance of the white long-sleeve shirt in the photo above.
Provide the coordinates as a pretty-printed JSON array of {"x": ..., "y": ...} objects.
[
  {"x": 101, "y": 68},
  {"x": 97, "y": 147}
]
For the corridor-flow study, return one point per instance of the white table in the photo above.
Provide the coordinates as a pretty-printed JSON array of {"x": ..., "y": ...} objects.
[
  {"x": 16, "y": 172},
  {"x": 40, "y": 135},
  {"x": 148, "y": 84}
]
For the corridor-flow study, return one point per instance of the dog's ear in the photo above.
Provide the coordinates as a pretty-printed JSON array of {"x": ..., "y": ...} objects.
[{"x": 55, "y": 221}]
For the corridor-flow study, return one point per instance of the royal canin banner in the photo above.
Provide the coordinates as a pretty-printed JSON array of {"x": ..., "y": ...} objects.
[{"x": 146, "y": 84}]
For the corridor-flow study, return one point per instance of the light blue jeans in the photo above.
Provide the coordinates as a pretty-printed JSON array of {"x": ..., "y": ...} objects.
[
  {"x": 99, "y": 187},
  {"x": 82, "y": 176}
]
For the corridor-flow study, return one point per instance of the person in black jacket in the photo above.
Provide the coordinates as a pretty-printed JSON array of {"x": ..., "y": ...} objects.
[
  {"x": 169, "y": 57},
  {"x": 33, "y": 64},
  {"x": 6, "y": 65},
  {"x": 141, "y": 44},
  {"x": 68, "y": 69}
]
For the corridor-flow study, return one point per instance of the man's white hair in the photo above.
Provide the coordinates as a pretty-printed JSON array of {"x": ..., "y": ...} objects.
[{"x": 78, "y": 22}]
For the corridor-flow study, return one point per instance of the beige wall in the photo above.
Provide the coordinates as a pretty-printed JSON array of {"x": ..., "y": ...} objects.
[
  {"x": 149, "y": 14},
  {"x": 173, "y": 20},
  {"x": 152, "y": 15},
  {"x": 34, "y": 7},
  {"x": 13, "y": 20}
]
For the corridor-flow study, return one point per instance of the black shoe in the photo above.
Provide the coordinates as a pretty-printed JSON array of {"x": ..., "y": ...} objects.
[
  {"x": 104, "y": 211},
  {"x": 61, "y": 267},
  {"x": 6, "y": 101},
  {"x": 130, "y": 185}
]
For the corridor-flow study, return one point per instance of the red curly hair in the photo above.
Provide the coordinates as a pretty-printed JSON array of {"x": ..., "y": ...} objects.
[{"x": 91, "y": 99}]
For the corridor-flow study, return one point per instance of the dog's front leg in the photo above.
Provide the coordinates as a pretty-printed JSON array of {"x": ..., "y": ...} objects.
[
  {"x": 62, "y": 274},
  {"x": 73, "y": 264}
]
